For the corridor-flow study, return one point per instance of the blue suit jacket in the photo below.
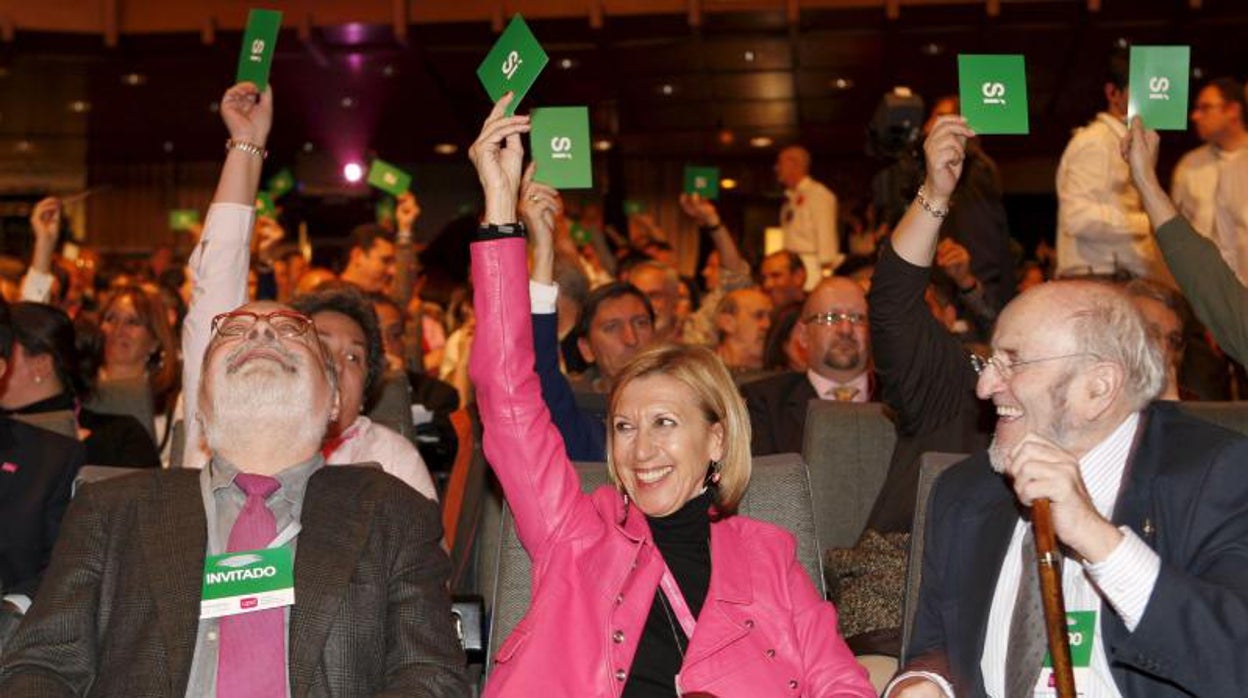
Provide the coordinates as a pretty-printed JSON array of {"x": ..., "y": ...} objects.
[
  {"x": 1185, "y": 494},
  {"x": 584, "y": 434}
]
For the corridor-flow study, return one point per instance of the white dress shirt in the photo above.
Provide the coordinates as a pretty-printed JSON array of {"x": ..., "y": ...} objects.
[
  {"x": 1125, "y": 579},
  {"x": 1101, "y": 223},
  {"x": 1210, "y": 189},
  {"x": 808, "y": 218},
  {"x": 826, "y": 388}
]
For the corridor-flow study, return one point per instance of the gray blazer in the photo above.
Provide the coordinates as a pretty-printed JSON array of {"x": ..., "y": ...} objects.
[{"x": 118, "y": 610}]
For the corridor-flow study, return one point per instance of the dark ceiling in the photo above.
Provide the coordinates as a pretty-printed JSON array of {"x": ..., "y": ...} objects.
[{"x": 656, "y": 86}]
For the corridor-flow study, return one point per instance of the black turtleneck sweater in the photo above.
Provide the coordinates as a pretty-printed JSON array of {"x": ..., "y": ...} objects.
[
  {"x": 114, "y": 439},
  {"x": 684, "y": 540}
]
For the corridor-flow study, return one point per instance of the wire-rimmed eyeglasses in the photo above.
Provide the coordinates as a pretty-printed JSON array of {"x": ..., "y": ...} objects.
[
  {"x": 1007, "y": 368},
  {"x": 288, "y": 324},
  {"x": 855, "y": 319}
]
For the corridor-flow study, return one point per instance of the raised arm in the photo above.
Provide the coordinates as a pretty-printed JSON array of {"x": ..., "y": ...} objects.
[
  {"x": 218, "y": 266},
  {"x": 520, "y": 442},
  {"x": 45, "y": 223},
  {"x": 1217, "y": 296}
]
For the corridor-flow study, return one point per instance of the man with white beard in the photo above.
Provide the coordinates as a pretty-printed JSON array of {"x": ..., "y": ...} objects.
[{"x": 263, "y": 574}]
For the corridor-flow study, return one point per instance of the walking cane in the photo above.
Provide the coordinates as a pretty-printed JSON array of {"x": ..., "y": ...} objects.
[{"x": 1051, "y": 594}]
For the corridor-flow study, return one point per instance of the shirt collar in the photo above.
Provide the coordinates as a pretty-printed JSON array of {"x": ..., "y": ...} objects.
[
  {"x": 801, "y": 186},
  {"x": 1103, "y": 466},
  {"x": 826, "y": 387},
  {"x": 293, "y": 480},
  {"x": 1118, "y": 126}
]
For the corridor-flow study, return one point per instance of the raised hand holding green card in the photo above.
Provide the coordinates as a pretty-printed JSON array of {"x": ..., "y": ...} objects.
[
  {"x": 559, "y": 140},
  {"x": 388, "y": 178},
  {"x": 513, "y": 64},
  {"x": 703, "y": 181},
  {"x": 259, "y": 42},
  {"x": 993, "y": 90},
  {"x": 1158, "y": 89},
  {"x": 281, "y": 183}
]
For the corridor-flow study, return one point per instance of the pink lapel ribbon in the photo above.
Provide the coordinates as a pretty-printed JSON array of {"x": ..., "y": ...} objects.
[{"x": 9, "y": 468}]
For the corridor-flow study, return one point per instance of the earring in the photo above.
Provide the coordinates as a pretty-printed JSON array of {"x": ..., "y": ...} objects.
[{"x": 712, "y": 474}]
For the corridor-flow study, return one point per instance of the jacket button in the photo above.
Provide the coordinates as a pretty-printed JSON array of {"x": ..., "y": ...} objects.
[
  {"x": 749, "y": 623},
  {"x": 617, "y": 637},
  {"x": 793, "y": 684},
  {"x": 620, "y": 675},
  {"x": 770, "y": 653},
  {"x": 619, "y": 599}
]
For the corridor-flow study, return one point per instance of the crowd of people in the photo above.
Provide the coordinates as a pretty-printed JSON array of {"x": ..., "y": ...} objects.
[{"x": 242, "y": 381}]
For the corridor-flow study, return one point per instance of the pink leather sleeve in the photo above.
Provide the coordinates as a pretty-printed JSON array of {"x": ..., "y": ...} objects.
[{"x": 521, "y": 443}]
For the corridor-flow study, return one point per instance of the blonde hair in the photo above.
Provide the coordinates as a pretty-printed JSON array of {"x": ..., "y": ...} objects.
[{"x": 716, "y": 396}]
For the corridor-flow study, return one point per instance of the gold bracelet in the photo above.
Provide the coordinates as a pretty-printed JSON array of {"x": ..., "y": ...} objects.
[
  {"x": 249, "y": 148},
  {"x": 937, "y": 213}
]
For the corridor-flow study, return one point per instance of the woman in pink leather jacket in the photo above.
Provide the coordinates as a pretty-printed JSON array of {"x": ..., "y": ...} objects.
[{"x": 653, "y": 587}]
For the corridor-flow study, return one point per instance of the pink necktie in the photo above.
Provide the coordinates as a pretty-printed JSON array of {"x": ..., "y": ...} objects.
[{"x": 251, "y": 659}]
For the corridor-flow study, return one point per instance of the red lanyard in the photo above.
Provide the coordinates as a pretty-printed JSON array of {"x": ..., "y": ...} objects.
[{"x": 677, "y": 602}]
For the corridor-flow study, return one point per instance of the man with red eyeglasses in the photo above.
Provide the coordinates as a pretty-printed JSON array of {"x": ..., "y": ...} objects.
[{"x": 265, "y": 573}]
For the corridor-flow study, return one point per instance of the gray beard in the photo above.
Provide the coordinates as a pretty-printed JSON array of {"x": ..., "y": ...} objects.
[{"x": 262, "y": 403}]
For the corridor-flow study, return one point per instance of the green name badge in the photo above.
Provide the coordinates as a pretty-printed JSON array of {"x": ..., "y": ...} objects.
[
  {"x": 388, "y": 178},
  {"x": 560, "y": 143},
  {"x": 242, "y": 582},
  {"x": 1159, "y": 84},
  {"x": 259, "y": 42},
  {"x": 183, "y": 218},
  {"x": 513, "y": 64},
  {"x": 265, "y": 205},
  {"x": 703, "y": 181},
  {"x": 281, "y": 183},
  {"x": 993, "y": 90}
]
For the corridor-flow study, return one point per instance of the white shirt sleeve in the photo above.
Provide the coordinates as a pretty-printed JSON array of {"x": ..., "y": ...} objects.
[
  {"x": 218, "y": 267},
  {"x": 22, "y": 602},
  {"x": 543, "y": 298},
  {"x": 827, "y": 239},
  {"x": 1089, "y": 206},
  {"x": 37, "y": 286},
  {"x": 935, "y": 678},
  {"x": 1127, "y": 577}
]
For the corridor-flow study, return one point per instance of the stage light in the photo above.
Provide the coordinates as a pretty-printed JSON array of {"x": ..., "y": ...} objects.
[
  {"x": 761, "y": 142},
  {"x": 727, "y": 183},
  {"x": 133, "y": 79},
  {"x": 353, "y": 172},
  {"x": 78, "y": 106},
  {"x": 667, "y": 89},
  {"x": 602, "y": 145},
  {"x": 842, "y": 83},
  {"x": 445, "y": 148},
  {"x": 749, "y": 56}
]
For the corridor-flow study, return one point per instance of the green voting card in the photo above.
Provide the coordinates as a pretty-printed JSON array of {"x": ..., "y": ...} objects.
[
  {"x": 559, "y": 140},
  {"x": 580, "y": 234},
  {"x": 259, "y": 42},
  {"x": 993, "y": 89},
  {"x": 513, "y": 64},
  {"x": 183, "y": 218},
  {"x": 1158, "y": 90},
  {"x": 265, "y": 205},
  {"x": 281, "y": 183},
  {"x": 633, "y": 207},
  {"x": 388, "y": 178},
  {"x": 703, "y": 181}
]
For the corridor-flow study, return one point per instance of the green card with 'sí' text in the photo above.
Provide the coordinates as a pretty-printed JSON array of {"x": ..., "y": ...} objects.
[
  {"x": 385, "y": 210},
  {"x": 265, "y": 205},
  {"x": 703, "y": 181},
  {"x": 993, "y": 90},
  {"x": 259, "y": 43},
  {"x": 1159, "y": 86},
  {"x": 183, "y": 218},
  {"x": 559, "y": 140},
  {"x": 513, "y": 64},
  {"x": 388, "y": 178}
]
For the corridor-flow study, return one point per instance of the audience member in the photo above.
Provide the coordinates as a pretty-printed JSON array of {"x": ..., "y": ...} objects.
[
  {"x": 784, "y": 348},
  {"x": 661, "y": 284},
  {"x": 783, "y": 277},
  {"x": 725, "y": 271},
  {"x": 836, "y": 338},
  {"x": 1101, "y": 225},
  {"x": 48, "y": 374},
  {"x": 371, "y": 261},
  {"x": 35, "y": 484},
  {"x": 1208, "y": 187},
  {"x": 808, "y": 215},
  {"x": 673, "y": 411},
  {"x": 1166, "y": 317},
  {"x": 743, "y": 318}
]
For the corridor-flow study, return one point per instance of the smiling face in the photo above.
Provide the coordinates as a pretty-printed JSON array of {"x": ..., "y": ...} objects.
[
  {"x": 662, "y": 443},
  {"x": 128, "y": 341},
  {"x": 1039, "y": 397},
  {"x": 838, "y": 350}
]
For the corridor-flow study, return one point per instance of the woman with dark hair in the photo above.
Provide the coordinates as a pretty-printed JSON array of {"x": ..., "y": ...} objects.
[
  {"x": 47, "y": 373},
  {"x": 781, "y": 350}
]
